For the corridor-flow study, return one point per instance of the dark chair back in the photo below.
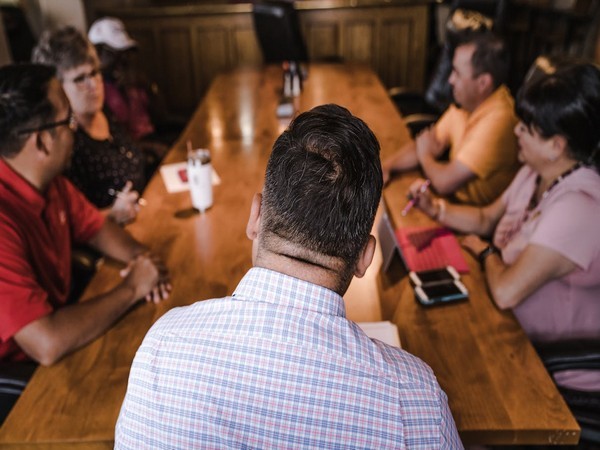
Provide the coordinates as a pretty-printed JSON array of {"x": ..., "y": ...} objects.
[
  {"x": 278, "y": 31},
  {"x": 585, "y": 405},
  {"x": 13, "y": 379}
]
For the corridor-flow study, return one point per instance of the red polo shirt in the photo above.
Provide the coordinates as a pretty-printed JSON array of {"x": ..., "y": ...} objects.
[{"x": 36, "y": 233}]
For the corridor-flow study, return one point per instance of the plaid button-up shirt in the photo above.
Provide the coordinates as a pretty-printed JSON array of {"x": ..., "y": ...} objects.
[{"x": 277, "y": 365}]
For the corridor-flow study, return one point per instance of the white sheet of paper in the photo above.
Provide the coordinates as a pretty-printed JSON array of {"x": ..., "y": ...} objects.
[
  {"x": 174, "y": 182},
  {"x": 385, "y": 331}
]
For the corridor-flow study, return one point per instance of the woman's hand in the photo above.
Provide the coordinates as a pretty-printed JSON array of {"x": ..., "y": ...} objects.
[
  {"x": 424, "y": 199},
  {"x": 474, "y": 244},
  {"x": 125, "y": 208}
]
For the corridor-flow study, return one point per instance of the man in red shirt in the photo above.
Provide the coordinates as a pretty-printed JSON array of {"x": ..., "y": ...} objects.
[{"x": 41, "y": 216}]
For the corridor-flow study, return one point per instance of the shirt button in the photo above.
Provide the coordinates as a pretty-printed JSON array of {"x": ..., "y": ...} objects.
[{"x": 129, "y": 155}]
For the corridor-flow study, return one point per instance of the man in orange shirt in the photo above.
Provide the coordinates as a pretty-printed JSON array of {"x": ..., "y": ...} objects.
[{"x": 479, "y": 131}]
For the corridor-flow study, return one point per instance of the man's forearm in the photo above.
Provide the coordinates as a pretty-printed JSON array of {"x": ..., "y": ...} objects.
[
  {"x": 115, "y": 242},
  {"x": 404, "y": 159},
  {"x": 445, "y": 177},
  {"x": 52, "y": 337}
]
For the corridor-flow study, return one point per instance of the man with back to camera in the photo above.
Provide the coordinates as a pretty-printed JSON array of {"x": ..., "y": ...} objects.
[
  {"x": 479, "y": 131},
  {"x": 277, "y": 364},
  {"x": 41, "y": 215}
]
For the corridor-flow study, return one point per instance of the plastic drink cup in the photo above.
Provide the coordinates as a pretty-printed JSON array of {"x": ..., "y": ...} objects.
[{"x": 200, "y": 178}]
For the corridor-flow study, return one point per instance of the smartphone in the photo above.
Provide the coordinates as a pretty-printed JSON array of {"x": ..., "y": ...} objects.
[
  {"x": 441, "y": 293},
  {"x": 445, "y": 275}
]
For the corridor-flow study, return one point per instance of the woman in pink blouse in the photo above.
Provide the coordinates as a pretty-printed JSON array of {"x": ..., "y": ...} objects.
[{"x": 544, "y": 259}]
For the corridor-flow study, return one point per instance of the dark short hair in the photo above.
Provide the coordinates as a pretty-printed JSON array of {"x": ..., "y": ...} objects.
[
  {"x": 490, "y": 55},
  {"x": 24, "y": 103},
  {"x": 323, "y": 183},
  {"x": 64, "y": 49},
  {"x": 566, "y": 103}
]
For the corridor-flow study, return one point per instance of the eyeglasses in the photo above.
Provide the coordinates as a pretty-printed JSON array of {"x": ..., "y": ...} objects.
[
  {"x": 81, "y": 79},
  {"x": 70, "y": 121}
]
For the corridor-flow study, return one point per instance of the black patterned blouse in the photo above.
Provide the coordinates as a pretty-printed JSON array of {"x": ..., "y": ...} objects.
[{"x": 98, "y": 166}]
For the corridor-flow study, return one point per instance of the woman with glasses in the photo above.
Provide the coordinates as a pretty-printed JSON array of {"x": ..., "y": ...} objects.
[
  {"x": 106, "y": 165},
  {"x": 544, "y": 259}
]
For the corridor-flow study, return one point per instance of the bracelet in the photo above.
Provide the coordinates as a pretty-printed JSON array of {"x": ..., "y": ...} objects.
[
  {"x": 441, "y": 210},
  {"x": 485, "y": 253}
]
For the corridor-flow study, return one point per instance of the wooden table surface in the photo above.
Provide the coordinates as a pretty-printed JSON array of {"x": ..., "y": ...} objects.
[{"x": 498, "y": 389}]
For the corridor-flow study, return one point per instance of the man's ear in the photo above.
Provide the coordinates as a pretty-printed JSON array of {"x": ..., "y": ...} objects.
[
  {"x": 485, "y": 83},
  {"x": 254, "y": 220},
  {"x": 40, "y": 143},
  {"x": 366, "y": 257}
]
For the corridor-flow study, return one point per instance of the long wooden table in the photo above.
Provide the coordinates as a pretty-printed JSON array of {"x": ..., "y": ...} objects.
[{"x": 498, "y": 389}]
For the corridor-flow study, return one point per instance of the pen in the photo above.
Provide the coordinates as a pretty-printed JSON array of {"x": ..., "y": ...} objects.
[
  {"x": 414, "y": 200},
  {"x": 141, "y": 201}
]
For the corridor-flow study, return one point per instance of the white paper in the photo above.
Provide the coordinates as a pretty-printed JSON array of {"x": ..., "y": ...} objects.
[
  {"x": 385, "y": 331},
  {"x": 174, "y": 182}
]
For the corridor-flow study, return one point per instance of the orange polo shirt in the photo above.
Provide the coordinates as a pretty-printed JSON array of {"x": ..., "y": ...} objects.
[{"x": 485, "y": 142}]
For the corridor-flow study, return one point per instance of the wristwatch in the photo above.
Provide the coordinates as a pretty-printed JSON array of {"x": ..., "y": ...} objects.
[{"x": 485, "y": 253}]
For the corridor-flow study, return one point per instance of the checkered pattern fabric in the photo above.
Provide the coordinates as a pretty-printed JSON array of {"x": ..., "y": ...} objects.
[{"x": 277, "y": 365}]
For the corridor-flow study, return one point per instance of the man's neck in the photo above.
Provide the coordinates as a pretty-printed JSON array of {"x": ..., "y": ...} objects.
[
  {"x": 27, "y": 170},
  {"x": 484, "y": 97},
  {"x": 321, "y": 270}
]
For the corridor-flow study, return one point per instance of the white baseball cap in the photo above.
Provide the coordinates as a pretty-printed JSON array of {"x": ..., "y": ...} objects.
[{"x": 110, "y": 31}]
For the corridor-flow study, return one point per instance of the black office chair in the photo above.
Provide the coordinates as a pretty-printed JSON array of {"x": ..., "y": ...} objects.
[
  {"x": 278, "y": 31},
  {"x": 420, "y": 110},
  {"x": 13, "y": 379},
  {"x": 585, "y": 405}
]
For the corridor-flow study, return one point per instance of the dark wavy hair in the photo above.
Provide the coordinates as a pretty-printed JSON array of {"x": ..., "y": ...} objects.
[
  {"x": 490, "y": 56},
  {"x": 323, "y": 183},
  {"x": 566, "y": 103},
  {"x": 24, "y": 103}
]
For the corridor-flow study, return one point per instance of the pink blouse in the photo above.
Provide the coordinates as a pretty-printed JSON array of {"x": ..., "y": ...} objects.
[{"x": 566, "y": 221}]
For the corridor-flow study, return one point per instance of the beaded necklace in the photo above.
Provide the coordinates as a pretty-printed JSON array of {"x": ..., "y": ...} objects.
[{"x": 533, "y": 203}]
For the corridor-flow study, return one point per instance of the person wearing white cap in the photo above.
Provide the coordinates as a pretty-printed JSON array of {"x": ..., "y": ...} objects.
[
  {"x": 111, "y": 32},
  {"x": 126, "y": 95}
]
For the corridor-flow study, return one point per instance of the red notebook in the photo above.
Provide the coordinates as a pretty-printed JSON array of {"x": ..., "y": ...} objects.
[{"x": 426, "y": 248}]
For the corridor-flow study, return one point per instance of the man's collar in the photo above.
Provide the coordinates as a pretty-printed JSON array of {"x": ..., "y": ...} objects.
[
  {"x": 498, "y": 92},
  {"x": 16, "y": 183},
  {"x": 266, "y": 285}
]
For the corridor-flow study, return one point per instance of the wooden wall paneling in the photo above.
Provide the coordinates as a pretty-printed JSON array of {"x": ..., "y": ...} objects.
[
  {"x": 402, "y": 60},
  {"x": 211, "y": 50},
  {"x": 359, "y": 41},
  {"x": 182, "y": 49},
  {"x": 147, "y": 57},
  {"x": 418, "y": 44},
  {"x": 180, "y": 91},
  {"x": 393, "y": 47},
  {"x": 245, "y": 46},
  {"x": 322, "y": 35}
]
